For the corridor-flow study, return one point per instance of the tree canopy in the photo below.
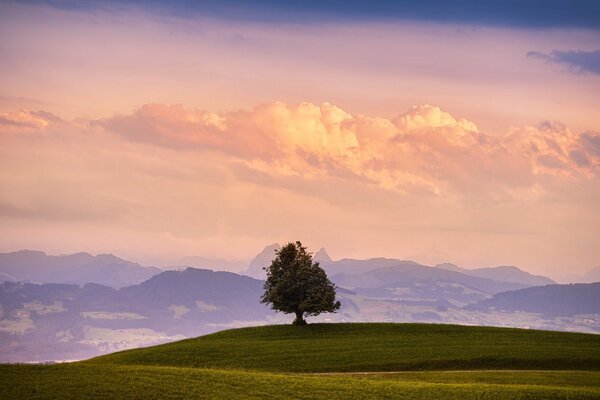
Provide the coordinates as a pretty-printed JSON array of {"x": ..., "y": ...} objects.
[{"x": 295, "y": 284}]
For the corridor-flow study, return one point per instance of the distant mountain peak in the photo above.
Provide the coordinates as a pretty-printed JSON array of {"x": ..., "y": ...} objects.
[
  {"x": 450, "y": 267},
  {"x": 83, "y": 253},
  {"x": 592, "y": 275},
  {"x": 262, "y": 259},
  {"x": 321, "y": 256},
  {"x": 272, "y": 247},
  {"x": 28, "y": 252}
]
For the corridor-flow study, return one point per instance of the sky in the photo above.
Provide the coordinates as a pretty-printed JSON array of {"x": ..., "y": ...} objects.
[{"x": 464, "y": 132}]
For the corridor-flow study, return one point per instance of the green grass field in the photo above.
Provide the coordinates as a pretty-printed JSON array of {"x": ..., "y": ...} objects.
[{"x": 332, "y": 361}]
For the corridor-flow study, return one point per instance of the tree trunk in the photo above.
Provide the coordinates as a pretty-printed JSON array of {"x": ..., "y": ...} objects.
[{"x": 299, "y": 318}]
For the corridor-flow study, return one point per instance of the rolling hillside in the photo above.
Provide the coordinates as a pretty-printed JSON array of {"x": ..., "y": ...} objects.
[
  {"x": 332, "y": 361},
  {"x": 372, "y": 347}
]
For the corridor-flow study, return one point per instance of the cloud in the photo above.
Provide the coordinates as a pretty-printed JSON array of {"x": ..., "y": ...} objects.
[
  {"x": 31, "y": 120},
  {"x": 585, "y": 62},
  {"x": 552, "y": 148},
  {"x": 426, "y": 116},
  {"x": 591, "y": 141},
  {"x": 580, "y": 158},
  {"x": 424, "y": 149}
]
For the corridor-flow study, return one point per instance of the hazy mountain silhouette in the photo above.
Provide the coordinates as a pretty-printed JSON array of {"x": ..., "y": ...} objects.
[
  {"x": 352, "y": 266},
  {"x": 321, "y": 256},
  {"x": 449, "y": 267},
  {"x": 210, "y": 263},
  {"x": 592, "y": 275},
  {"x": 502, "y": 273},
  {"x": 79, "y": 268},
  {"x": 262, "y": 259},
  {"x": 550, "y": 300},
  {"x": 202, "y": 291},
  {"x": 392, "y": 278}
]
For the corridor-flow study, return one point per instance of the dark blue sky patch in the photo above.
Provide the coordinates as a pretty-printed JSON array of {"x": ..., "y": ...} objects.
[
  {"x": 575, "y": 60},
  {"x": 507, "y": 13}
]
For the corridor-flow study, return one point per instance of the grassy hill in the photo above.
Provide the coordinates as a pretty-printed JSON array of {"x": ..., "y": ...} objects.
[
  {"x": 332, "y": 361},
  {"x": 372, "y": 347}
]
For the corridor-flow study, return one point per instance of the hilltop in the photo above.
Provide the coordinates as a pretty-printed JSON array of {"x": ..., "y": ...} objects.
[{"x": 372, "y": 347}]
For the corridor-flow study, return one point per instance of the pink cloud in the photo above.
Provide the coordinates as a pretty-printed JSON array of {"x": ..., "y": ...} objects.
[
  {"x": 423, "y": 149},
  {"x": 25, "y": 120}
]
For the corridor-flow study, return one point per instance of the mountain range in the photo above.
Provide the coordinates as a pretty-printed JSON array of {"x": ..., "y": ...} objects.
[
  {"x": 77, "y": 306},
  {"x": 550, "y": 300},
  {"x": 387, "y": 278},
  {"x": 502, "y": 273},
  {"x": 79, "y": 268}
]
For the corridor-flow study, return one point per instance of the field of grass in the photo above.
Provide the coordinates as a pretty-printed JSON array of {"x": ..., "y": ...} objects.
[
  {"x": 86, "y": 381},
  {"x": 332, "y": 361}
]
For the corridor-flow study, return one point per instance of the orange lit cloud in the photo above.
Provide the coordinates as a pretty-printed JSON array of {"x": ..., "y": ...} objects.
[{"x": 424, "y": 148}]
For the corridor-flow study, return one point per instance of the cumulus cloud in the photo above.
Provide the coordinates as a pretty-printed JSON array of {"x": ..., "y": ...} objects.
[
  {"x": 552, "y": 148},
  {"x": 575, "y": 60},
  {"x": 268, "y": 131},
  {"x": 426, "y": 116},
  {"x": 423, "y": 149}
]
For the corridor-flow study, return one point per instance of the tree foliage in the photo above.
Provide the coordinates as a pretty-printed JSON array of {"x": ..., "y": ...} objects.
[{"x": 295, "y": 284}]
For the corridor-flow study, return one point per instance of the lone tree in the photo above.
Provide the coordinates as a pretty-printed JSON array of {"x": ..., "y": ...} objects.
[{"x": 297, "y": 285}]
